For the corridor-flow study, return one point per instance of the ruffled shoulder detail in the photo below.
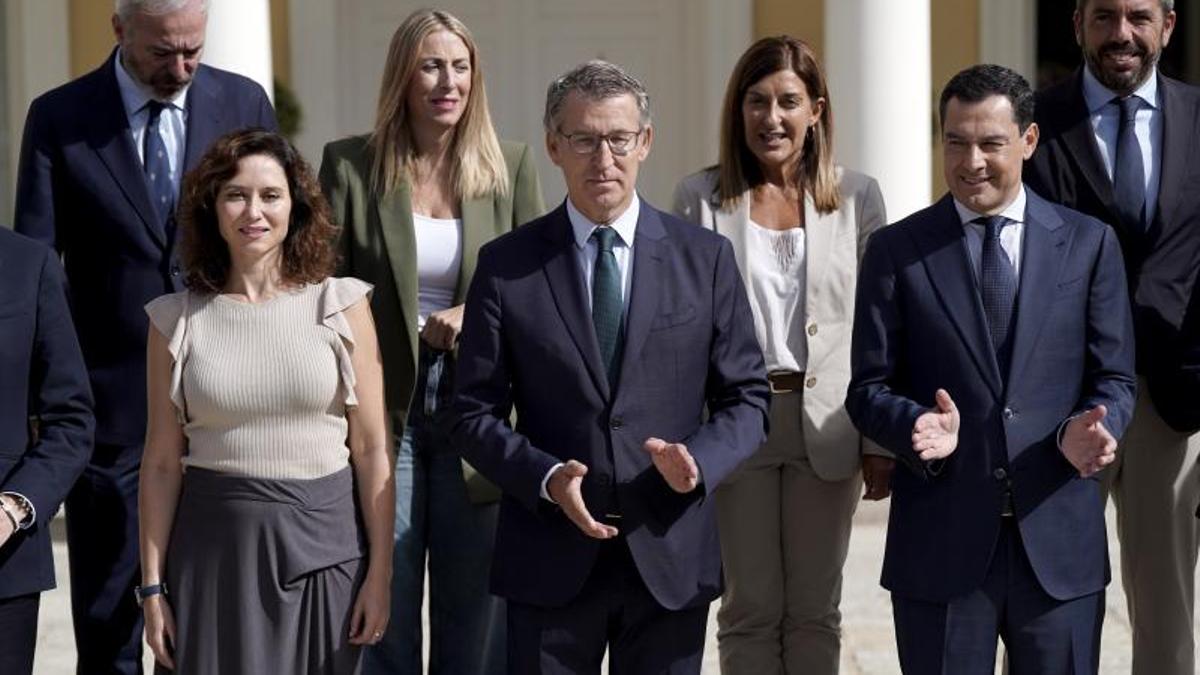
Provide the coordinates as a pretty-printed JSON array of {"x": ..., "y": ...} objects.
[
  {"x": 169, "y": 316},
  {"x": 338, "y": 294}
]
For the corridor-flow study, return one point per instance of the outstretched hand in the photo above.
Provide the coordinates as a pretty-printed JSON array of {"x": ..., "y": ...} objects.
[
  {"x": 1087, "y": 444},
  {"x": 564, "y": 488},
  {"x": 935, "y": 434},
  {"x": 675, "y": 464}
]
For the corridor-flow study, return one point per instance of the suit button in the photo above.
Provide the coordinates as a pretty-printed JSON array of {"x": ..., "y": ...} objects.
[
  {"x": 616, "y": 423},
  {"x": 810, "y": 382},
  {"x": 1000, "y": 474},
  {"x": 174, "y": 270},
  {"x": 812, "y": 330},
  {"x": 1008, "y": 413}
]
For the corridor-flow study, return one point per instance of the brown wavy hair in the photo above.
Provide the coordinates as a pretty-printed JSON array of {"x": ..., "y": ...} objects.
[
  {"x": 309, "y": 255},
  {"x": 737, "y": 167}
]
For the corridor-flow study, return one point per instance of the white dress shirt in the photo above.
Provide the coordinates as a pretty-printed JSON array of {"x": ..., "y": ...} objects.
[
  {"x": 1010, "y": 235},
  {"x": 1148, "y": 127},
  {"x": 172, "y": 123}
]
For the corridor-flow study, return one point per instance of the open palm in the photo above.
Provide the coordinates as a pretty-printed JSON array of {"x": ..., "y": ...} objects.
[{"x": 935, "y": 434}]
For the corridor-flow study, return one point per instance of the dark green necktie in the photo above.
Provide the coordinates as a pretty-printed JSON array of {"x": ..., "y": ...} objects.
[{"x": 606, "y": 302}]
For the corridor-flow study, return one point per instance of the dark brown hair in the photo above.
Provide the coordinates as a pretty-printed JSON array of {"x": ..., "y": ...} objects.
[
  {"x": 308, "y": 249},
  {"x": 737, "y": 167}
]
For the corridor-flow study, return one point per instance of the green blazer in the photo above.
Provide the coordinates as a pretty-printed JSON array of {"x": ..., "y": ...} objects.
[{"x": 378, "y": 245}]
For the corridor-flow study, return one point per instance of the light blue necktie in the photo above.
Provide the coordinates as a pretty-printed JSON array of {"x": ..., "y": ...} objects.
[
  {"x": 606, "y": 302},
  {"x": 158, "y": 169}
]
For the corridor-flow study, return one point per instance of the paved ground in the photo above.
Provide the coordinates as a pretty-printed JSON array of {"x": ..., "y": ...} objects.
[{"x": 868, "y": 647}]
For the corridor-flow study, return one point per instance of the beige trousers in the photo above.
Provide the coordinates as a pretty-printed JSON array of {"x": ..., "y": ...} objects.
[
  {"x": 784, "y": 537},
  {"x": 1155, "y": 485}
]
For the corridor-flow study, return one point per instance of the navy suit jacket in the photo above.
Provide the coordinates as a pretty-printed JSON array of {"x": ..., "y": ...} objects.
[
  {"x": 528, "y": 342},
  {"x": 81, "y": 190},
  {"x": 1162, "y": 263},
  {"x": 43, "y": 378},
  {"x": 919, "y": 326}
]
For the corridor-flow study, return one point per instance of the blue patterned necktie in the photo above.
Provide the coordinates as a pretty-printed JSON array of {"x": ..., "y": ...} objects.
[
  {"x": 1129, "y": 174},
  {"x": 158, "y": 168},
  {"x": 606, "y": 302},
  {"x": 998, "y": 289}
]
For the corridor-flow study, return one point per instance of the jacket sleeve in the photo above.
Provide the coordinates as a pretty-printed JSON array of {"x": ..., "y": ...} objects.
[
  {"x": 879, "y": 413},
  {"x": 736, "y": 389},
  {"x": 60, "y": 399}
]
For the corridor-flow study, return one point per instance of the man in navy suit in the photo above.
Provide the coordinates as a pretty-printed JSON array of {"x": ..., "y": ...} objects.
[
  {"x": 44, "y": 387},
  {"x": 101, "y": 162},
  {"x": 610, "y": 327},
  {"x": 1119, "y": 142},
  {"x": 993, "y": 353}
]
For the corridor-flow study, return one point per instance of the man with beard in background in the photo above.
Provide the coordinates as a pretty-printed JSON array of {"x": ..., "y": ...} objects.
[{"x": 1116, "y": 139}]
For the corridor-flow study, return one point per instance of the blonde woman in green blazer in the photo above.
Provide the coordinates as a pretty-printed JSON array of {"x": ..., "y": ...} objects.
[{"x": 417, "y": 197}]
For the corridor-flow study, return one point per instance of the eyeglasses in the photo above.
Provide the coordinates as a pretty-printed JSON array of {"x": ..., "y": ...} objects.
[{"x": 620, "y": 143}]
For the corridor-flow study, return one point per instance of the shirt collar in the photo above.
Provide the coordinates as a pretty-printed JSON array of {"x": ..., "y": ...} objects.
[
  {"x": 135, "y": 96},
  {"x": 1097, "y": 95},
  {"x": 1014, "y": 212},
  {"x": 625, "y": 224}
]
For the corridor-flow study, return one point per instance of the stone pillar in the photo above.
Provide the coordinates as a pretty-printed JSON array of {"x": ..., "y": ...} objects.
[
  {"x": 877, "y": 58},
  {"x": 239, "y": 39}
]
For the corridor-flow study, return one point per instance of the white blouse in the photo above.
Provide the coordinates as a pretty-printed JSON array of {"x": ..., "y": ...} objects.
[{"x": 777, "y": 261}]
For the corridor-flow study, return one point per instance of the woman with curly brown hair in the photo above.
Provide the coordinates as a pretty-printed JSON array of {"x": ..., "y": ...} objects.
[{"x": 266, "y": 421}]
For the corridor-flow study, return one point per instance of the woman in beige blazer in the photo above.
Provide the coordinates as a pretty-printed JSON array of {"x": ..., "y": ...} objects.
[
  {"x": 799, "y": 225},
  {"x": 417, "y": 197}
]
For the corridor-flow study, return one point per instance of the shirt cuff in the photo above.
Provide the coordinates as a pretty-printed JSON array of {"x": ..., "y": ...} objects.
[
  {"x": 1062, "y": 428},
  {"x": 546, "y": 481},
  {"x": 25, "y": 504}
]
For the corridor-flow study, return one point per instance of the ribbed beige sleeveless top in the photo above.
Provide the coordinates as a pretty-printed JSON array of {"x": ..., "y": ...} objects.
[{"x": 262, "y": 389}]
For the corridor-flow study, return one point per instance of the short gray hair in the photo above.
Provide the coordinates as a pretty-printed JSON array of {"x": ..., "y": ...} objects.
[
  {"x": 1167, "y": 5},
  {"x": 595, "y": 80},
  {"x": 127, "y": 8}
]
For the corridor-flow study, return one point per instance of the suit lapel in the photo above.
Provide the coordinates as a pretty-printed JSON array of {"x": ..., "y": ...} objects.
[
  {"x": 819, "y": 233},
  {"x": 1080, "y": 143},
  {"x": 109, "y": 136},
  {"x": 1177, "y": 148},
  {"x": 394, "y": 213},
  {"x": 566, "y": 286},
  {"x": 941, "y": 241},
  {"x": 649, "y": 253},
  {"x": 1042, "y": 251},
  {"x": 477, "y": 230}
]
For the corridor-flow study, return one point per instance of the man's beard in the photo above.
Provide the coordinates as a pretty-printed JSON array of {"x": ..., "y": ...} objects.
[{"x": 1123, "y": 83}]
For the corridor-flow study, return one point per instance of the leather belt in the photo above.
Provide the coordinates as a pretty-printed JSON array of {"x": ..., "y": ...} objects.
[{"x": 785, "y": 381}]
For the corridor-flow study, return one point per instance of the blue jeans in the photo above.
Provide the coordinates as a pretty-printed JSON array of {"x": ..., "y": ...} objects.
[{"x": 434, "y": 516}]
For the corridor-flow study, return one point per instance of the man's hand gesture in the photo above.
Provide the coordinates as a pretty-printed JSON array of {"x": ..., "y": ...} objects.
[
  {"x": 1086, "y": 443},
  {"x": 564, "y": 488},
  {"x": 935, "y": 435},
  {"x": 675, "y": 464}
]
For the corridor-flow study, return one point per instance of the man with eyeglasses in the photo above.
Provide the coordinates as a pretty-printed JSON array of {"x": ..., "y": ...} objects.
[{"x": 610, "y": 327}]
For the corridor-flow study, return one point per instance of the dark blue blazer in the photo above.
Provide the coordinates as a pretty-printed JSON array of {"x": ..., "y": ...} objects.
[
  {"x": 528, "y": 342},
  {"x": 1162, "y": 263},
  {"x": 919, "y": 326},
  {"x": 81, "y": 190},
  {"x": 43, "y": 378}
]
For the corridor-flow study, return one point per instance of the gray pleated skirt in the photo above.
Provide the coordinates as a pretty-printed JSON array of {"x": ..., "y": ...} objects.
[{"x": 262, "y": 575}]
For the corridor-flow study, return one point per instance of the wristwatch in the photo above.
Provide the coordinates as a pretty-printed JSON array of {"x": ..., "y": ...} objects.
[{"x": 142, "y": 592}]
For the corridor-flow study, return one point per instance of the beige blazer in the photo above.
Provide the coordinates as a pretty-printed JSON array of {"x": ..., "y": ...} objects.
[{"x": 834, "y": 246}]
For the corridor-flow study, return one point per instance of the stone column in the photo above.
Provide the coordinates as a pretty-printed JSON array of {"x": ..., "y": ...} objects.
[
  {"x": 239, "y": 39},
  {"x": 877, "y": 58}
]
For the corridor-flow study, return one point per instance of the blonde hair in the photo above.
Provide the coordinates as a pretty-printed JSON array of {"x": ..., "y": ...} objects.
[
  {"x": 479, "y": 169},
  {"x": 737, "y": 167}
]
